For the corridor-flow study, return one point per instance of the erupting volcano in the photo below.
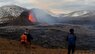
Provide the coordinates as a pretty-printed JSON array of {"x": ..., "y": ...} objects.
[{"x": 31, "y": 17}]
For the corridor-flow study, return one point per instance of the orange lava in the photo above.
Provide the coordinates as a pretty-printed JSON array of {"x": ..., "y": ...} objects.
[{"x": 31, "y": 18}]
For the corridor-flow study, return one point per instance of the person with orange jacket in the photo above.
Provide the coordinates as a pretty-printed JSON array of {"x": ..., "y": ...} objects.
[{"x": 24, "y": 39}]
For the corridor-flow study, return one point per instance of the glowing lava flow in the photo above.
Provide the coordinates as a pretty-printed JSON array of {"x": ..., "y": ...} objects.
[{"x": 31, "y": 18}]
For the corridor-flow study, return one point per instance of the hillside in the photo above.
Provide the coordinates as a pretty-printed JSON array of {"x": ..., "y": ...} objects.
[
  {"x": 14, "y": 47},
  {"x": 9, "y": 15}
]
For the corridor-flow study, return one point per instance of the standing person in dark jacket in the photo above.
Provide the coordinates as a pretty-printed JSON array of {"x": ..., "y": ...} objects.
[
  {"x": 71, "y": 39},
  {"x": 29, "y": 37}
]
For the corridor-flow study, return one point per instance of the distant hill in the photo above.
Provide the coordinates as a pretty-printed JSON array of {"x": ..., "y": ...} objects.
[
  {"x": 83, "y": 17},
  {"x": 9, "y": 14}
]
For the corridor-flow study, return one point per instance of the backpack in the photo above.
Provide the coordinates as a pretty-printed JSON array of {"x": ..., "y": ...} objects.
[
  {"x": 24, "y": 38},
  {"x": 71, "y": 39}
]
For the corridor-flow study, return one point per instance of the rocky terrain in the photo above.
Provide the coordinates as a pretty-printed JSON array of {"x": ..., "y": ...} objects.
[{"x": 51, "y": 36}]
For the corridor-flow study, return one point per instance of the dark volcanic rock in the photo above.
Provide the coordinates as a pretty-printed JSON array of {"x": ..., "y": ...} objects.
[{"x": 52, "y": 36}]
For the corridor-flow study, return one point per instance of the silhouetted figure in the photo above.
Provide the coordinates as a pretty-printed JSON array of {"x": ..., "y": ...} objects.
[
  {"x": 71, "y": 39},
  {"x": 29, "y": 36}
]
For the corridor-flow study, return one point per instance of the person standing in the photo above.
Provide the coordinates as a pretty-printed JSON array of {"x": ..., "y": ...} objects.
[
  {"x": 71, "y": 40},
  {"x": 29, "y": 36}
]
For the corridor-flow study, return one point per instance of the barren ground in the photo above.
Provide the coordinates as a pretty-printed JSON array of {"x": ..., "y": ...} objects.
[{"x": 14, "y": 47}]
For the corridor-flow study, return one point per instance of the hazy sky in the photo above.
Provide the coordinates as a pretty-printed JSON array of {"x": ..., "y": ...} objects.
[{"x": 56, "y": 6}]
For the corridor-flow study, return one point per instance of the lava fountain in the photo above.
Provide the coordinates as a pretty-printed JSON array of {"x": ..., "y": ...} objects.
[{"x": 31, "y": 18}]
